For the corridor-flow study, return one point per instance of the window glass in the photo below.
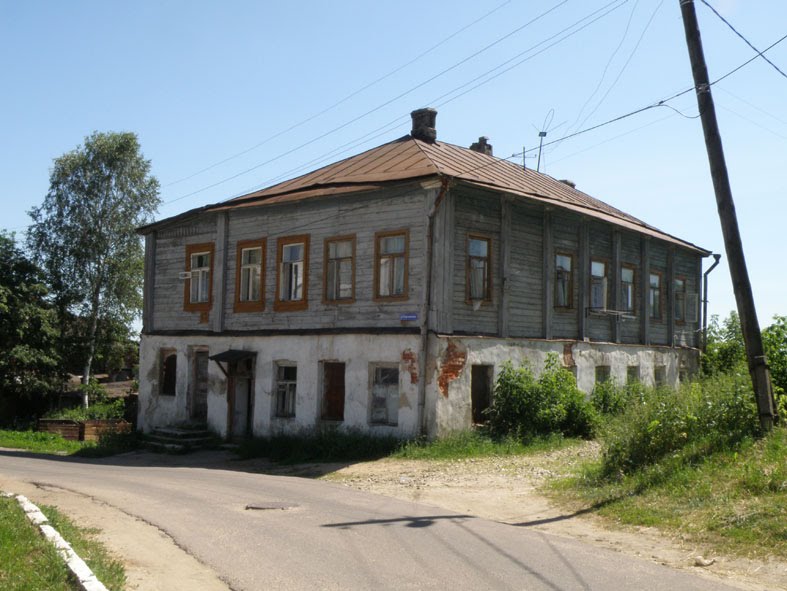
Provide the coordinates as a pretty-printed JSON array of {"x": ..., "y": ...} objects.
[
  {"x": 478, "y": 269},
  {"x": 339, "y": 271},
  {"x": 286, "y": 379},
  {"x": 655, "y": 296},
  {"x": 627, "y": 289},
  {"x": 291, "y": 279},
  {"x": 563, "y": 286},
  {"x": 385, "y": 396},
  {"x": 598, "y": 285},
  {"x": 200, "y": 277},
  {"x": 251, "y": 271},
  {"x": 391, "y": 265},
  {"x": 679, "y": 310}
]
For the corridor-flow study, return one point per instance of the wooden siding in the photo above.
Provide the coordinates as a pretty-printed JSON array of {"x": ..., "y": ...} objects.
[
  {"x": 599, "y": 326},
  {"x": 659, "y": 331},
  {"x": 476, "y": 213},
  {"x": 630, "y": 254},
  {"x": 686, "y": 266},
  {"x": 527, "y": 272},
  {"x": 170, "y": 255},
  {"x": 362, "y": 217}
]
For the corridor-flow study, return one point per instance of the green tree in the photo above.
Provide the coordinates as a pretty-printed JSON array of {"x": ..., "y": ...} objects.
[
  {"x": 28, "y": 357},
  {"x": 726, "y": 350},
  {"x": 775, "y": 342},
  {"x": 84, "y": 232}
]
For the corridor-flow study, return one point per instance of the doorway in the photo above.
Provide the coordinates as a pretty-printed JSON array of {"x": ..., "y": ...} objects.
[
  {"x": 333, "y": 391},
  {"x": 199, "y": 387},
  {"x": 480, "y": 391},
  {"x": 240, "y": 385}
]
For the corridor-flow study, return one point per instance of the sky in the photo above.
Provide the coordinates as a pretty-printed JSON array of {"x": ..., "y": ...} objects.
[{"x": 228, "y": 97}]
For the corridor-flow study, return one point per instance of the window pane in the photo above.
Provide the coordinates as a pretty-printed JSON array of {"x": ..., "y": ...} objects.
[
  {"x": 254, "y": 280},
  {"x": 345, "y": 279},
  {"x": 392, "y": 245},
  {"x": 292, "y": 252},
  {"x": 654, "y": 281},
  {"x": 342, "y": 249},
  {"x": 251, "y": 256},
  {"x": 563, "y": 263},
  {"x": 330, "y": 281},
  {"x": 478, "y": 248},
  {"x": 385, "y": 277},
  {"x": 598, "y": 269},
  {"x": 245, "y": 277},
  {"x": 627, "y": 275},
  {"x": 477, "y": 279},
  {"x": 398, "y": 287}
]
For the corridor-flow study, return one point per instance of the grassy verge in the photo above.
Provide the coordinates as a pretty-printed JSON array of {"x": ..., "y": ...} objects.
[
  {"x": 732, "y": 500},
  {"x": 474, "y": 444},
  {"x": 51, "y": 443},
  {"x": 28, "y": 561}
]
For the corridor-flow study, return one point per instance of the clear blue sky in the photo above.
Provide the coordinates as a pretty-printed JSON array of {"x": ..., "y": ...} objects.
[{"x": 201, "y": 82}]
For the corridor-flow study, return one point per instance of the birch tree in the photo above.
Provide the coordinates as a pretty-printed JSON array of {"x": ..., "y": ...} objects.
[{"x": 83, "y": 235}]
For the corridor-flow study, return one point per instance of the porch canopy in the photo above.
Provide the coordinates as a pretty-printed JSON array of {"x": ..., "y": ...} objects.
[{"x": 231, "y": 356}]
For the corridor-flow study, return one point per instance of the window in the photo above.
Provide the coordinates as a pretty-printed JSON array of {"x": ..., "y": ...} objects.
[
  {"x": 292, "y": 279},
  {"x": 602, "y": 373},
  {"x": 660, "y": 375},
  {"x": 250, "y": 276},
  {"x": 564, "y": 286},
  {"x": 340, "y": 269},
  {"x": 679, "y": 302},
  {"x": 385, "y": 395},
  {"x": 479, "y": 279},
  {"x": 654, "y": 296},
  {"x": 627, "y": 290},
  {"x": 168, "y": 372},
  {"x": 286, "y": 378},
  {"x": 632, "y": 374},
  {"x": 598, "y": 285},
  {"x": 198, "y": 290},
  {"x": 391, "y": 252}
]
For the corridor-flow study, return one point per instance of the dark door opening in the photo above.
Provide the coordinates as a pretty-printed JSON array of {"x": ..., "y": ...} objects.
[
  {"x": 481, "y": 391},
  {"x": 241, "y": 390},
  {"x": 333, "y": 392},
  {"x": 199, "y": 390}
]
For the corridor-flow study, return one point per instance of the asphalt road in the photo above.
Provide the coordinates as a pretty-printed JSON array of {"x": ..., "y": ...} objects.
[{"x": 307, "y": 534}]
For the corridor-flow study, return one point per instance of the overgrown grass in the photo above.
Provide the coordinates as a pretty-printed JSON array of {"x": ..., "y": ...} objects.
[
  {"x": 28, "y": 561},
  {"x": 39, "y": 442},
  {"x": 473, "y": 444},
  {"x": 51, "y": 443},
  {"x": 321, "y": 446},
  {"x": 732, "y": 500}
]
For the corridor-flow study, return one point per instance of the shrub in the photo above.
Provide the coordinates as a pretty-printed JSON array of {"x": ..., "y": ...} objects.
[
  {"x": 713, "y": 413},
  {"x": 109, "y": 409},
  {"x": 609, "y": 398},
  {"x": 525, "y": 407}
]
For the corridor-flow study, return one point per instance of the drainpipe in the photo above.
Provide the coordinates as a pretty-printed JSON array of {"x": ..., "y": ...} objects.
[
  {"x": 716, "y": 258},
  {"x": 426, "y": 305}
]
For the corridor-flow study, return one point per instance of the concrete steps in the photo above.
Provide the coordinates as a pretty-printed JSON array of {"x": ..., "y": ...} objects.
[{"x": 180, "y": 439}]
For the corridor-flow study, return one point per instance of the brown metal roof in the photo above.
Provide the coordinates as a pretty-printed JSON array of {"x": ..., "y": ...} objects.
[{"x": 408, "y": 158}]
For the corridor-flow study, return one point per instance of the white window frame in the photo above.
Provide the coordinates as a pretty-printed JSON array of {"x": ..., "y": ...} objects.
[
  {"x": 286, "y": 391},
  {"x": 200, "y": 278},
  {"x": 383, "y": 398}
]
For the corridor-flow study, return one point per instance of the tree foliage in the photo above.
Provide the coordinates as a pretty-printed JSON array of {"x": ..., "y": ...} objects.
[
  {"x": 28, "y": 357},
  {"x": 84, "y": 232}
]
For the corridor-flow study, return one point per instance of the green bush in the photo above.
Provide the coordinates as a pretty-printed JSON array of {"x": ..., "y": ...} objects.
[
  {"x": 110, "y": 409},
  {"x": 713, "y": 413},
  {"x": 526, "y": 407}
]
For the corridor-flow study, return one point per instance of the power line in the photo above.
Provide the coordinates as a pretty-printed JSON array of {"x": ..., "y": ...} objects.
[
  {"x": 734, "y": 30},
  {"x": 343, "y": 100}
]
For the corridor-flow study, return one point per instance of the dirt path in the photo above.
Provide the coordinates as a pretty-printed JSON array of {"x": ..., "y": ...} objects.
[{"x": 507, "y": 490}]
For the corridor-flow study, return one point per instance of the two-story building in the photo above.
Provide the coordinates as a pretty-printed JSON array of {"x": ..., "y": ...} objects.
[{"x": 384, "y": 292}]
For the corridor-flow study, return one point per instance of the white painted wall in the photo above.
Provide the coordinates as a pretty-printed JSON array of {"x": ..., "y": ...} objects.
[
  {"x": 306, "y": 352},
  {"x": 451, "y": 410}
]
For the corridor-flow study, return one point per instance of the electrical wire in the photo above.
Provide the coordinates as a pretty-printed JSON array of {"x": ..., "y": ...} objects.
[
  {"x": 341, "y": 101},
  {"x": 734, "y": 30}
]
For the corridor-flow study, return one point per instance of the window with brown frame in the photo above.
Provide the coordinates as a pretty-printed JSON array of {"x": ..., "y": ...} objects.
[
  {"x": 564, "y": 281},
  {"x": 598, "y": 284},
  {"x": 679, "y": 301},
  {"x": 391, "y": 251},
  {"x": 250, "y": 276},
  {"x": 479, "y": 277},
  {"x": 339, "y": 270},
  {"x": 654, "y": 295},
  {"x": 292, "y": 278},
  {"x": 627, "y": 289},
  {"x": 198, "y": 288}
]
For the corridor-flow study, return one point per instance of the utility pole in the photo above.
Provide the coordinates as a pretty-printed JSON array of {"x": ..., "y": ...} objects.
[
  {"x": 758, "y": 366},
  {"x": 541, "y": 135}
]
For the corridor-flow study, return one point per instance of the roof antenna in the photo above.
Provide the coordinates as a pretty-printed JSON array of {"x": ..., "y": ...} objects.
[
  {"x": 524, "y": 156},
  {"x": 541, "y": 135}
]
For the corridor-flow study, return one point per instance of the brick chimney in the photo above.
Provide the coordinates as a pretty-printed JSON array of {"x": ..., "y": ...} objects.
[
  {"x": 424, "y": 125},
  {"x": 482, "y": 145}
]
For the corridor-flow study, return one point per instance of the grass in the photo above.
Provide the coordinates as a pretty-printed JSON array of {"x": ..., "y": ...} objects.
[
  {"x": 733, "y": 500},
  {"x": 52, "y": 443},
  {"x": 474, "y": 444},
  {"x": 28, "y": 561}
]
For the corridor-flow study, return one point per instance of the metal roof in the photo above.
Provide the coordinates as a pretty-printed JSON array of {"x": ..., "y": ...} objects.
[{"x": 408, "y": 158}]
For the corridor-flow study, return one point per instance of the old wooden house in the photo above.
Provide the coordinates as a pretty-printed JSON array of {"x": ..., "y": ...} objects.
[{"x": 384, "y": 292}]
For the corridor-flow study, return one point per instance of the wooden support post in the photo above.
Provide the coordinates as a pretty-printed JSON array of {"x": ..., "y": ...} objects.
[{"x": 758, "y": 367}]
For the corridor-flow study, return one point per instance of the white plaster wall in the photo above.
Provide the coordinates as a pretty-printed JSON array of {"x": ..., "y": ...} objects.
[
  {"x": 449, "y": 407},
  {"x": 307, "y": 352}
]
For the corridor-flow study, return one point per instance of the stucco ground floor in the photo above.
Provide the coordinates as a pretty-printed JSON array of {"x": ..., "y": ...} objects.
[{"x": 265, "y": 385}]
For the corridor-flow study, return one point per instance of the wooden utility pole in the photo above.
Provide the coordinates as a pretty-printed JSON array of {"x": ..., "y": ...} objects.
[{"x": 758, "y": 367}]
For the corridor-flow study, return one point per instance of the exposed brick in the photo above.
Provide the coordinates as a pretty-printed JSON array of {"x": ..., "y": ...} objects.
[
  {"x": 451, "y": 366},
  {"x": 410, "y": 360}
]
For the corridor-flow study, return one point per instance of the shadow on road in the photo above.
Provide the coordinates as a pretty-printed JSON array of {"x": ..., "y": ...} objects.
[{"x": 421, "y": 521}]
